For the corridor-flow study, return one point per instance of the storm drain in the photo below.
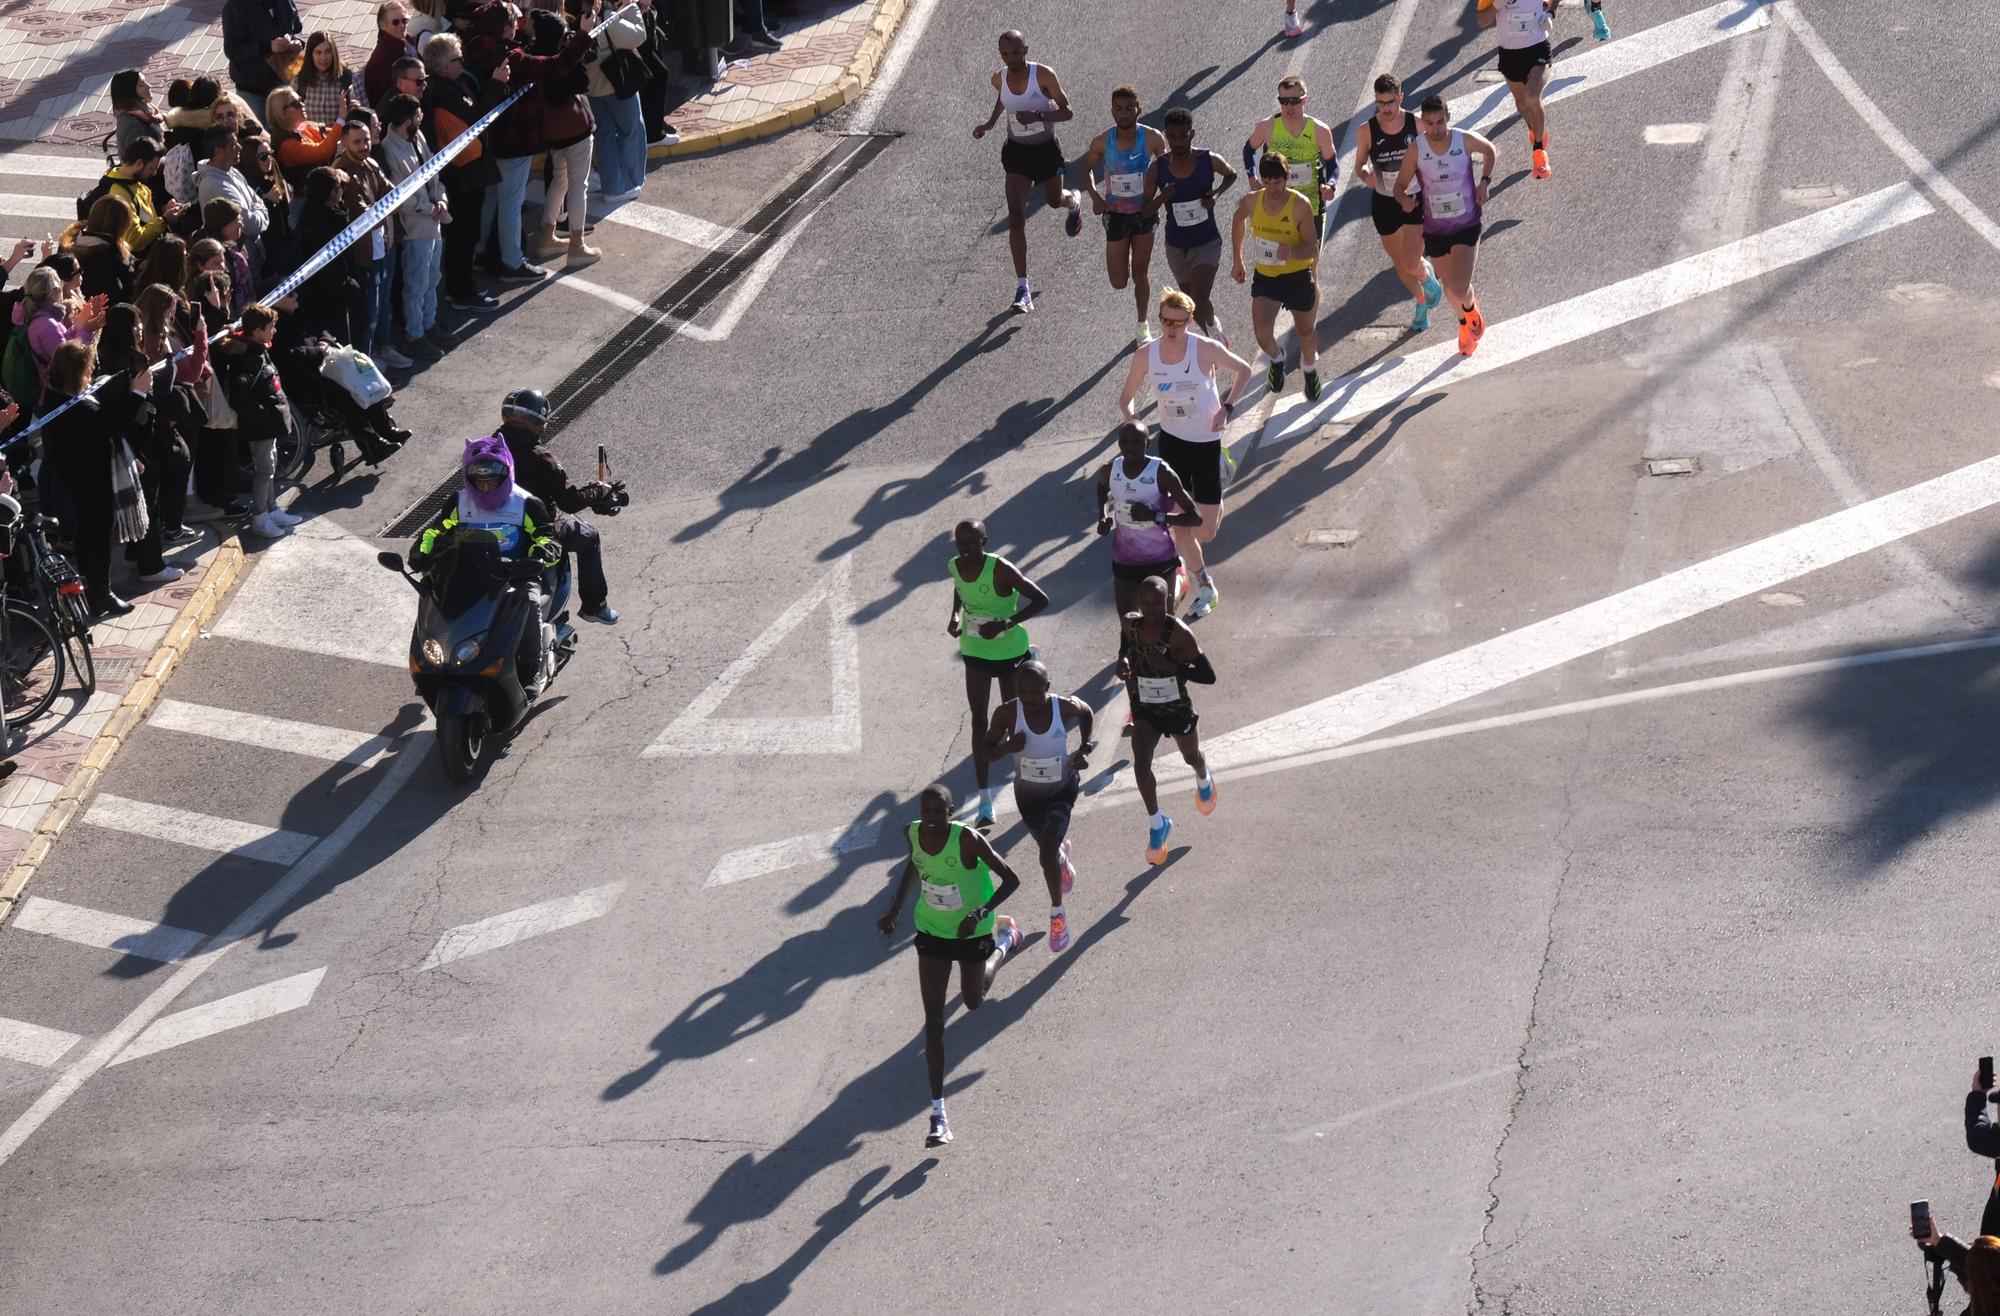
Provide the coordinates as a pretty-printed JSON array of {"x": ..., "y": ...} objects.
[{"x": 1672, "y": 466}]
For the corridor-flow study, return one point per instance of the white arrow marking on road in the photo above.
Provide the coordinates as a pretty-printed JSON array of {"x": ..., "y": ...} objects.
[
  {"x": 520, "y": 924},
  {"x": 191, "y": 1025},
  {"x": 757, "y": 860},
  {"x": 94, "y": 927},
  {"x": 698, "y": 731},
  {"x": 334, "y": 744},
  {"x": 272, "y": 845},
  {"x": 32, "y": 1044}
]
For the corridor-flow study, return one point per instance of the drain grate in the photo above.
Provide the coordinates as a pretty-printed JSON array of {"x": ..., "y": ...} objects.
[
  {"x": 709, "y": 279},
  {"x": 1672, "y": 466},
  {"x": 111, "y": 670}
]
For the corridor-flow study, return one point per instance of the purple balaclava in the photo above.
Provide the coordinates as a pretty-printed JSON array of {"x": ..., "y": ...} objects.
[{"x": 489, "y": 447}]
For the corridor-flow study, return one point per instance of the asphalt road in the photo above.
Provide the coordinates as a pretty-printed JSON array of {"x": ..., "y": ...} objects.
[{"x": 1599, "y": 936}]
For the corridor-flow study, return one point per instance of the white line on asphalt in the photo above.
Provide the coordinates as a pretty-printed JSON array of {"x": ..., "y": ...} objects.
[
  {"x": 201, "y": 831},
  {"x": 633, "y": 306},
  {"x": 1905, "y": 150},
  {"x": 320, "y": 589},
  {"x": 34, "y": 205},
  {"x": 520, "y": 924},
  {"x": 246, "y": 1007},
  {"x": 334, "y": 744},
  {"x": 1636, "y": 53},
  {"x": 262, "y": 911},
  {"x": 1387, "y": 53},
  {"x": 698, "y": 731},
  {"x": 916, "y": 18},
  {"x": 32, "y": 165},
  {"x": 1675, "y": 134},
  {"x": 747, "y": 289},
  {"x": 757, "y": 860},
  {"x": 32, "y": 1044},
  {"x": 95, "y": 927},
  {"x": 665, "y": 223},
  {"x": 1438, "y": 367}
]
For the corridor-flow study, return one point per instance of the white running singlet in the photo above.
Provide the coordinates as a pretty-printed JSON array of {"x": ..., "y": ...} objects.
[
  {"x": 1044, "y": 760},
  {"x": 1033, "y": 101},
  {"x": 1186, "y": 397},
  {"x": 1522, "y": 23}
]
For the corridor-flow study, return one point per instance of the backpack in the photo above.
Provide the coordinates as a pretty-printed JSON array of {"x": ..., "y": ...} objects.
[{"x": 83, "y": 203}]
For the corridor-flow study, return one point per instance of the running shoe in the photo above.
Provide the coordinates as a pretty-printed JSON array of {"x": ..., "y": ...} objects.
[
  {"x": 1478, "y": 319},
  {"x": 1293, "y": 28},
  {"x": 1068, "y": 868},
  {"x": 1312, "y": 385},
  {"x": 1204, "y": 796},
  {"x": 1420, "y": 320},
  {"x": 984, "y": 817},
  {"x": 1180, "y": 592},
  {"x": 1274, "y": 378},
  {"x": 1007, "y": 934},
  {"x": 940, "y": 1133},
  {"x": 1204, "y": 602},
  {"x": 1073, "y": 222},
  {"x": 1541, "y": 159},
  {"x": 1433, "y": 290},
  {"x": 1466, "y": 342},
  {"x": 1598, "y": 27},
  {"x": 1024, "y": 301},
  {"x": 1058, "y": 933},
  {"x": 1156, "y": 841},
  {"x": 1145, "y": 334}
]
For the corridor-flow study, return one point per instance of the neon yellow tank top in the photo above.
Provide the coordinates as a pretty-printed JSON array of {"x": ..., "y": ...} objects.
[
  {"x": 1268, "y": 232},
  {"x": 1301, "y": 152},
  {"x": 950, "y": 890},
  {"x": 985, "y": 603}
]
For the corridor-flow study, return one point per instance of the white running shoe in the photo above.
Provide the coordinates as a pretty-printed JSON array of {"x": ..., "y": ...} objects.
[
  {"x": 166, "y": 575},
  {"x": 1145, "y": 334},
  {"x": 1292, "y": 25},
  {"x": 263, "y": 525},
  {"x": 1204, "y": 602}
]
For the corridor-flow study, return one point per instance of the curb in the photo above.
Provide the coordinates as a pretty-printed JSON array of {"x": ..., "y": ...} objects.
[
  {"x": 860, "y": 72},
  {"x": 131, "y": 711}
]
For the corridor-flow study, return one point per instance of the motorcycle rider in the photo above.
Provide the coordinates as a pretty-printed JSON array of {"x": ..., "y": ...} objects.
[
  {"x": 524, "y": 416},
  {"x": 492, "y": 504}
]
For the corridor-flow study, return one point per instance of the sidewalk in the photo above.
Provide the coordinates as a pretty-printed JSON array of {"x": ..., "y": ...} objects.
[{"x": 57, "y": 58}]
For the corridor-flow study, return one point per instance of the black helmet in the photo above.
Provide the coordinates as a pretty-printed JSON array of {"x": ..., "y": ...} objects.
[{"x": 526, "y": 403}]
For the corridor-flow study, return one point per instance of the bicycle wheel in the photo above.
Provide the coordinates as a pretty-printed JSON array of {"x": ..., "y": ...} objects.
[
  {"x": 76, "y": 642},
  {"x": 31, "y": 665}
]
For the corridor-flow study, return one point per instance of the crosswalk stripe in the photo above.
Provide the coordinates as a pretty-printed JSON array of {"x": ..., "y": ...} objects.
[
  {"x": 234, "y": 1011},
  {"x": 105, "y": 931},
  {"x": 32, "y": 1044},
  {"x": 200, "y": 831},
  {"x": 51, "y": 166},
  {"x": 334, "y": 744},
  {"x": 633, "y": 306},
  {"x": 519, "y": 924},
  {"x": 37, "y": 206},
  {"x": 662, "y": 222}
]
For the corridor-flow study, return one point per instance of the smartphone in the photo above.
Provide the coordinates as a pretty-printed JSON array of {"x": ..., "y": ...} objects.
[
  {"x": 1986, "y": 1072},
  {"x": 1920, "y": 1220}
]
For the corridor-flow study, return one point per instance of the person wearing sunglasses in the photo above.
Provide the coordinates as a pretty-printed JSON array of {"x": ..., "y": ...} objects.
[
  {"x": 392, "y": 42},
  {"x": 1304, "y": 143},
  {"x": 1379, "y": 146}
]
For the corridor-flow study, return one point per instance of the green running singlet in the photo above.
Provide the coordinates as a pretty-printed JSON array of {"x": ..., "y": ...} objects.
[
  {"x": 950, "y": 889},
  {"x": 984, "y": 603}
]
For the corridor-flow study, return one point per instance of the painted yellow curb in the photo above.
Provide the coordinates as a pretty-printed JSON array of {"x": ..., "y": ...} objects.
[
  {"x": 125, "y": 719},
  {"x": 860, "y": 72}
]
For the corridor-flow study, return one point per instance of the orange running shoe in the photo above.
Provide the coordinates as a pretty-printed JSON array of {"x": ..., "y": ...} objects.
[
  {"x": 1058, "y": 933},
  {"x": 1466, "y": 339},
  {"x": 1204, "y": 795},
  {"x": 1477, "y": 320},
  {"x": 1541, "y": 159}
]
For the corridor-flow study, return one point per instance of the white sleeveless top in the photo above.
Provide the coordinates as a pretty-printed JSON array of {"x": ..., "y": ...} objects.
[
  {"x": 1043, "y": 763},
  {"x": 1522, "y": 23},
  {"x": 1138, "y": 543},
  {"x": 1033, "y": 100},
  {"x": 1186, "y": 397}
]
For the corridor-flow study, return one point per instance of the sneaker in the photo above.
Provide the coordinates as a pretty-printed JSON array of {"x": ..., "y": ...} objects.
[
  {"x": 1598, "y": 27},
  {"x": 1274, "y": 378},
  {"x": 108, "y": 604},
  {"x": 522, "y": 273},
  {"x": 389, "y": 358},
  {"x": 1420, "y": 319},
  {"x": 1068, "y": 868},
  {"x": 1312, "y": 385},
  {"x": 1478, "y": 319},
  {"x": 1466, "y": 342},
  {"x": 1204, "y": 602},
  {"x": 282, "y": 517},
  {"x": 440, "y": 337},
  {"x": 983, "y": 816},
  {"x": 1007, "y": 934},
  {"x": 940, "y": 1133},
  {"x": 1540, "y": 156},
  {"x": 582, "y": 257},
  {"x": 620, "y": 198},
  {"x": 181, "y": 537},
  {"x": 1145, "y": 334},
  {"x": 266, "y": 527},
  {"x": 1293, "y": 28},
  {"x": 1073, "y": 222},
  {"x": 1024, "y": 300},
  {"x": 1433, "y": 290},
  {"x": 763, "y": 40},
  {"x": 669, "y": 136},
  {"x": 1180, "y": 585},
  {"x": 562, "y": 230},
  {"x": 1204, "y": 796},
  {"x": 603, "y": 613},
  {"x": 1156, "y": 841},
  {"x": 416, "y": 349},
  {"x": 478, "y": 300},
  {"x": 1058, "y": 933},
  {"x": 164, "y": 576}
]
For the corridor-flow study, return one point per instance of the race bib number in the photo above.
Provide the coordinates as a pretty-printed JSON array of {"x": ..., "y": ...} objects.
[
  {"x": 1178, "y": 400},
  {"x": 1263, "y": 251},
  {"x": 1300, "y": 174},
  {"x": 1024, "y": 131},
  {"x": 1385, "y": 183},
  {"x": 1121, "y": 515},
  {"x": 1524, "y": 25},
  {"x": 1158, "y": 689},
  {"x": 1187, "y": 214},
  {"x": 1449, "y": 205},
  {"x": 1125, "y": 185},
  {"x": 941, "y": 896},
  {"x": 1043, "y": 771}
]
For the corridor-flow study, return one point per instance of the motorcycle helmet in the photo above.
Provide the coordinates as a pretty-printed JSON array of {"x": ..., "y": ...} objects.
[{"x": 525, "y": 404}]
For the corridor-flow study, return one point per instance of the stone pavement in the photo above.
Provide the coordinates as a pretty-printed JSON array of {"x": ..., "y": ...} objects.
[{"x": 57, "y": 57}]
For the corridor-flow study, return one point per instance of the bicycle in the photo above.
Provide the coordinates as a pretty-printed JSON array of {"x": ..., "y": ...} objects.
[
  {"x": 58, "y": 596},
  {"x": 31, "y": 657}
]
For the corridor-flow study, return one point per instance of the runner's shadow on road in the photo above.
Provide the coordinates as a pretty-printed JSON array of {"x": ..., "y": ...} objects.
[{"x": 887, "y": 1098}]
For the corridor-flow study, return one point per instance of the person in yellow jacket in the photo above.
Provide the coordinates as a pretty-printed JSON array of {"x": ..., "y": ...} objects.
[{"x": 131, "y": 181}]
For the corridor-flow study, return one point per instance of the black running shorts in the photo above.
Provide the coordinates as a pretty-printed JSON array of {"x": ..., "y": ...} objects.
[
  {"x": 1295, "y": 291},
  {"x": 1440, "y": 244},
  {"x": 1389, "y": 215},
  {"x": 1047, "y": 816},
  {"x": 1198, "y": 463},
  {"x": 1517, "y": 65},
  {"x": 956, "y": 949},
  {"x": 1123, "y": 228},
  {"x": 1035, "y": 161}
]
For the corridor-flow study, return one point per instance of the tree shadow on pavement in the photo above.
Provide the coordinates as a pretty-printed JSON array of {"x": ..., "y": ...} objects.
[
  {"x": 776, "y": 476},
  {"x": 889, "y": 1097},
  {"x": 769, "y": 1291}
]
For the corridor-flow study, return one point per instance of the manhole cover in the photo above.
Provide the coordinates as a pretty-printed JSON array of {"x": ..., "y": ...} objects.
[
  {"x": 1671, "y": 466},
  {"x": 1332, "y": 538}
]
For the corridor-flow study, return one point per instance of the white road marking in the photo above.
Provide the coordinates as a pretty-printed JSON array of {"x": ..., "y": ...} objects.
[
  {"x": 1387, "y": 53},
  {"x": 34, "y": 205},
  {"x": 633, "y": 306},
  {"x": 201, "y": 831},
  {"x": 33, "y": 165},
  {"x": 334, "y": 744},
  {"x": 320, "y": 590},
  {"x": 260, "y": 912},
  {"x": 1431, "y": 369},
  {"x": 757, "y": 860},
  {"x": 1575, "y": 74},
  {"x": 1675, "y": 134},
  {"x": 95, "y": 927},
  {"x": 662, "y": 222},
  {"x": 520, "y": 924},
  {"x": 32, "y": 1044},
  {"x": 916, "y": 18},
  {"x": 246, "y": 1007},
  {"x": 748, "y": 288},
  {"x": 698, "y": 731},
  {"x": 1905, "y": 150}
]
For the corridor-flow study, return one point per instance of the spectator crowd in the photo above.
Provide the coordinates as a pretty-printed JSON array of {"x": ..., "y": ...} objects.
[{"x": 221, "y": 193}]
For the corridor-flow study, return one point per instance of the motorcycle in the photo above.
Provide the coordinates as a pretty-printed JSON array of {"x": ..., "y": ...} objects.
[{"x": 476, "y": 619}]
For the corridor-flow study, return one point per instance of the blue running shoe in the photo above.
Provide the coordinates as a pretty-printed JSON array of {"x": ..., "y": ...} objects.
[
  {"x": 1433, "y": 290},
  {"x": 1156, "y": 842},
  {"x": 1598, "y": 27},
  {"x": 984, "y": 817},
  {"x": 1420, "y": 322}
]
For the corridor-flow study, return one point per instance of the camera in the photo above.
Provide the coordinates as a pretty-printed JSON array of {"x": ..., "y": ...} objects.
[{"x": 613, "y": 500}]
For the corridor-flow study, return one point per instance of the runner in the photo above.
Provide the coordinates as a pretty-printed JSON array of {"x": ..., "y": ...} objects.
[
  {"x": 1140, "y": 503},
  {"x": 955, "y": 925},
  {"x": 1033, "y": 101},
  {"x": 1304, "y": 143},
  {"x": 1180, "y": 370},
  {"x": 1453, "y": 205},
  {"x": 1047, "y": 777},
  {"x": 996, "y": 601},
  {"x": 1183, "y": 181},
  {"x": 1157, "y": 657},
  {"x": 1285, "y": 244},
  {"x": 1378, "y": 156},
  {"x": 1525, "y": 27},
  {"x": 1127, "y": 151}
]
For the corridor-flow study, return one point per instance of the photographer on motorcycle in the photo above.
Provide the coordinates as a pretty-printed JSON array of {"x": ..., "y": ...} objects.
[{"x": 524, "y": 416}]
